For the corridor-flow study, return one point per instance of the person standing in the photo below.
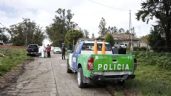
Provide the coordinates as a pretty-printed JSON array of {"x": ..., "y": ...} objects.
[
  {"x": 63, "y": 52},
  {"x": 48, "y": 49},
  {"x": 114, "y": 50}
]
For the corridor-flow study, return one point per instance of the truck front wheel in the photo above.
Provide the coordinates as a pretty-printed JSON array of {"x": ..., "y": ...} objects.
[
  {"x": 81, "y": 84},
  {"x": 68, "y": 69}
]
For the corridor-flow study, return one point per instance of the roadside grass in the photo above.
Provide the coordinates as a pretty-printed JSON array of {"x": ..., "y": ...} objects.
[
  {"x": 12, "y": 57},
  {"x": 150, "y": 80}
]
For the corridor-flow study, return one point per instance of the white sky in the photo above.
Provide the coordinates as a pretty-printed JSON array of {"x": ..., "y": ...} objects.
[{"x": 87, "y": 13}]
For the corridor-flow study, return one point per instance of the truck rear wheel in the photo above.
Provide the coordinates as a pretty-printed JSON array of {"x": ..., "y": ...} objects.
[{"x": 80, "y": 82}]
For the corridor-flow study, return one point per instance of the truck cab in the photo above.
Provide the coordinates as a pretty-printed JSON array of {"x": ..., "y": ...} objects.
[{"x": 99, "y": 66}]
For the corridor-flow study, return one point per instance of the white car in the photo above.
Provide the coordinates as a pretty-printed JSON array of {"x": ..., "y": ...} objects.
[{"x": 57, "y": 50}]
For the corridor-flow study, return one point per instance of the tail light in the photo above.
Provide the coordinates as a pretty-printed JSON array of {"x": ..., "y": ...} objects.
[{"x": 90, "y": 63}]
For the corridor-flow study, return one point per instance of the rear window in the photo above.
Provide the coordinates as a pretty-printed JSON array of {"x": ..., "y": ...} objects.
[
  {"x": 33, "y": 46},
  {"x": 89, "y": 46}
]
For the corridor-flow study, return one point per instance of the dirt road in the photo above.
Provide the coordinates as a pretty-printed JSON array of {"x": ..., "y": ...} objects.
[{"x": 48, "y": 77}]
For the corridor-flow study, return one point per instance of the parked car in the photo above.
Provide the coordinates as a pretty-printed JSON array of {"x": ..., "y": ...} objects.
[
  {"x": 1, "y": 42},
  {"x": 57, "y": 50},
  {"x": 33, "y": 49},
  {"x": 91, "y": 66}
]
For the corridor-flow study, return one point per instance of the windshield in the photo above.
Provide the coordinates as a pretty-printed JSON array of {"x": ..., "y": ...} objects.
[{"x": 89, "y": 46}]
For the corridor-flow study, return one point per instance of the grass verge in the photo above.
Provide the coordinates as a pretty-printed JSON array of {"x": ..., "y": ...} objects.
[
  {"x": 12, "y": 57},
  {"x": 152, "y": 79}
]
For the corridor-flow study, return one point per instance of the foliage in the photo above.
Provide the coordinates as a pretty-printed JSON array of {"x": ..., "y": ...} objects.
[
  {"x": 145, "y": 39},
  {"x": 26, "y": 32},
  {"x": 160, "y": 9},
  {"x": 150, "y": 80},
  {"x": 112, "y": 29},
  {"x": 13, "y": 57},
  {"x": 156, "y": 42},
  {"x": 61, "y": 24},
  {"x": 140, "y": 48},
  {"x": 3, "y": 36},
  {"x": 162, "y": 60},
  {"x": 72, "y": 36},
  {"x": 121, "y": 30},
  {"x": 109, "y": 38},
  {"x": 102, "y": 27}
]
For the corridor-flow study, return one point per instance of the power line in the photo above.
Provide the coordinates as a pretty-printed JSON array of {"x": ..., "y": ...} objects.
[
  {"x": 107, "y": 6},
  {"x": 111, "y": 7}
]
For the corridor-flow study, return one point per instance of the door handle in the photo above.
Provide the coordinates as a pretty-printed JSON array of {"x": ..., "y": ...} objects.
[{"x": 114, "y": 61}]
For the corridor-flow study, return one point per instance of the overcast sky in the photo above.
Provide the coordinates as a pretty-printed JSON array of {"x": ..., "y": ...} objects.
[{"x": 87, "y": 13}]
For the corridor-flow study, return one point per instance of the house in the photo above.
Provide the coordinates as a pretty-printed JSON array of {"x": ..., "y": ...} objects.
[{"x": 126, "y": 39}]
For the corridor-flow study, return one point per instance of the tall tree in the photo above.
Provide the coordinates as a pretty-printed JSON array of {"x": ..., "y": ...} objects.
[
  {"x": 121, "y": 30},
  {"x": 109, "y": 38},
  {"x": 156, "y": 41},
  {"x": 72, "y": 36},
  {"x": 3, "y": 36},
  {"x": 26, "y": 32},
  {"x": 161, "y": 10},
  {"x": 102, "y": 27},
  {"x": 61, "y": 24}
]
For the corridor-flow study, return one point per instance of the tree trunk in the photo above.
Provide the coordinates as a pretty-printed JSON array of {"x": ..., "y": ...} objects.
[{"x": 168, "y": 37}]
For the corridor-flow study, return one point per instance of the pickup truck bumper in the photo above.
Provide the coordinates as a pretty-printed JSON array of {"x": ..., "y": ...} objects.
[
  {"x": 32, "y": 53},
  {"x": 112, "y": 75}
]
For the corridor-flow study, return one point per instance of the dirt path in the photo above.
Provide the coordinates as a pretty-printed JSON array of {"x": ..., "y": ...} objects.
[{"x": 48, "y": 77}]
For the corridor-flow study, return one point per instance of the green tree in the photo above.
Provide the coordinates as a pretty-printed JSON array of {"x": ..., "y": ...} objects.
[
  {"x": 102, "y": 27},
  {"x": 121, "y": 30},
  {"x": 109, "y": 38},
  {"x": 61, "y": 24},
  {"x": 72, "y": 36},
  {"x": 112, "y": 30},
  {"x": 26, "y": 32},
  {"x": 5, "y": 39},
  {"x": 156, "y": 41},
  {"x": 160, "y": 9}
]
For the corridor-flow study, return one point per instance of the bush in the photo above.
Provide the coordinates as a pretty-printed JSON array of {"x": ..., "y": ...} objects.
[
  {"x": 140, "y": 48},
  {"x": 13, "y": 57},
  {"x": 162, "y": 60},
  {"x": 109, "y": 38}
]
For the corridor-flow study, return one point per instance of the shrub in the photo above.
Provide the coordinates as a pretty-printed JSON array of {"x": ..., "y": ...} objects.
[{"x": 162, "y": 60}]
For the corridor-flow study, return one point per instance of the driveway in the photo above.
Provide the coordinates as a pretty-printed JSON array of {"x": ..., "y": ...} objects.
[{"x": 48, "y": 77}]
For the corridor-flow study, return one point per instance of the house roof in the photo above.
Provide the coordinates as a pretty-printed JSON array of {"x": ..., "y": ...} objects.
[{"x": 124, "y": 37}]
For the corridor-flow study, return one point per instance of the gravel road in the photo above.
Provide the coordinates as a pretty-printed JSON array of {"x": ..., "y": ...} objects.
[{"x": 48, "y": 77}]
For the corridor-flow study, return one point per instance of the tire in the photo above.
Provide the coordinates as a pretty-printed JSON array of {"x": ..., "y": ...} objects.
[
  {"x": 80, "y": 77},
  {"x": 68, "y": 70}
]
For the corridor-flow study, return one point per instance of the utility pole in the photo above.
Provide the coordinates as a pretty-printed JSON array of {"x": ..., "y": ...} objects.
[{"x": 130, "y": 30}]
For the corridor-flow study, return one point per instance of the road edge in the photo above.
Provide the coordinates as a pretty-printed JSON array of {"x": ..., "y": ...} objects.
[{"x": 12, "y": 76}]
